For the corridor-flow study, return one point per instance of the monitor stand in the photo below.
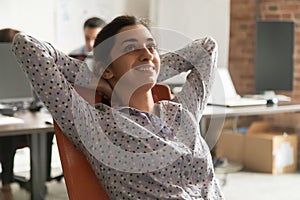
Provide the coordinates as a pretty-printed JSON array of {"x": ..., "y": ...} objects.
[{"x": 271, "y": 95}]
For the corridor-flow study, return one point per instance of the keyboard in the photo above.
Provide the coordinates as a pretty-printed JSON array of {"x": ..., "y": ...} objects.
[
  {"x": 243, "y": 101},
  {"x": 19, "y": 105}
]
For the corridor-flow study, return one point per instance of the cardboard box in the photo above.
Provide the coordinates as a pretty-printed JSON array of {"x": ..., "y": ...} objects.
[
  {"x": 230, "y": 145},
  {"x": 261, "y": 149}
]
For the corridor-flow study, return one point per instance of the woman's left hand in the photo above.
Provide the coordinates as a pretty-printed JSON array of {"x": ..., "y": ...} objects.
[{"x": 104, "y": 88}]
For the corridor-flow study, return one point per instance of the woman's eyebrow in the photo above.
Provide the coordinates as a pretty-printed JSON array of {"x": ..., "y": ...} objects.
[
  {"x": 130, "y": 40},
  {"x": 150, "y": 40},
  {"x": 136, "y": 40}
]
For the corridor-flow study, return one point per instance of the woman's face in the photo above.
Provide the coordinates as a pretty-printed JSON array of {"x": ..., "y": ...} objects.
[{"x": 135, "y": 60}]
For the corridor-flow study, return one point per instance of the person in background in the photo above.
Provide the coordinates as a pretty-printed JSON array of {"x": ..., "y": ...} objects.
[
  {"x": 91, "y": 28},
  {"x": 137, "y": 148},
  {"x": 9, "y": 144}
]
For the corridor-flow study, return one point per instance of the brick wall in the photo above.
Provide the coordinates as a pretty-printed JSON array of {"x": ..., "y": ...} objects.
[
  {"x": 241, "y": 46},
  {"x": 243, "y": 15}
]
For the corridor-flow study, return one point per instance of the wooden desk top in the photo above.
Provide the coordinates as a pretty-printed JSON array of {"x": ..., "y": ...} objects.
[{"x": 33, "y": 123}]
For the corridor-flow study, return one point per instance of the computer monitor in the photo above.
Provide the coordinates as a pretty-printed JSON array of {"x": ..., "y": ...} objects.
[
  {"x": 14, "y": 85},
  {"x": 274, "y": 64}
]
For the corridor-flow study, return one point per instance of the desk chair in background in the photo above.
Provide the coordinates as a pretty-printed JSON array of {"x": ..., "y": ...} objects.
[{"x": 81, "y": 182}]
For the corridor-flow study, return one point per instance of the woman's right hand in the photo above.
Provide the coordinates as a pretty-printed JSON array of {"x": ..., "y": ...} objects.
[{"x": 104, "y": 88}]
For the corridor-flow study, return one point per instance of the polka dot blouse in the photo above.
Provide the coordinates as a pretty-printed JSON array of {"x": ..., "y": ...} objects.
[{"x": 134, "y": 154}]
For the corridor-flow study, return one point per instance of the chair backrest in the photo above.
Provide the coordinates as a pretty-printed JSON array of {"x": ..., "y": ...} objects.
[{"x": 80, "y": 179}]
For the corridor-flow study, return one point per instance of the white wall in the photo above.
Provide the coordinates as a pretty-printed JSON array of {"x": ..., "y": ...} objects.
[
  {"x": 57, "y": 21},
  {"x": 196, "y": 18},
  {"x": 60, "y": 21},
  {"x": 32, "y": 16}
]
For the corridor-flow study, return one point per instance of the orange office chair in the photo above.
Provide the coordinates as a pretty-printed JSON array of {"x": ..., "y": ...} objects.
[{"x": 81, "y": 182}]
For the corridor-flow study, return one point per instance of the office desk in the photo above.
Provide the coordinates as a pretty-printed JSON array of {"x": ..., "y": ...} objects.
[
  {"x": 218, "y": 114},
  {"x": 34, "y": 124}
]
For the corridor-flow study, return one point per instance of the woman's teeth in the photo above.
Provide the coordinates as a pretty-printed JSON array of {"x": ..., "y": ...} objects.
[{"x": 145, "y": 68}]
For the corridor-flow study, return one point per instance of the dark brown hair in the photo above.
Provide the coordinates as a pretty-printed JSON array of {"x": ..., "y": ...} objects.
[
  {"x": 105, "y": 40},
  {"x": 94, "y": 22},
  {"x": 7, "y": 34}
]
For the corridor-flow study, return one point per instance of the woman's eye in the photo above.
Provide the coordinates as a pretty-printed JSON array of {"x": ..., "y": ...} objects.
[
  {"x": 152, "y": 47},
  {"x": 129, "y": 48}
]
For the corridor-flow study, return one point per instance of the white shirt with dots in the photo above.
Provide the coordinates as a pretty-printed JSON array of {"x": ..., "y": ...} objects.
[{"x": 134, "y": 154}]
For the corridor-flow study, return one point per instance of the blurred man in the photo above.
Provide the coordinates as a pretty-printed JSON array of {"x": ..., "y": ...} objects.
[{"x": 91, "y": 28}]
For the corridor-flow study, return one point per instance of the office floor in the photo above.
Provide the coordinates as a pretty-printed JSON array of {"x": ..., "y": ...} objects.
[{"x": 239, "y": 185}]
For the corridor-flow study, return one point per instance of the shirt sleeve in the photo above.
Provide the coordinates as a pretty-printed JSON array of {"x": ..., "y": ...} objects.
[
  {"x": 199, "y": 58},
  {"x": 52, "y": 75}
]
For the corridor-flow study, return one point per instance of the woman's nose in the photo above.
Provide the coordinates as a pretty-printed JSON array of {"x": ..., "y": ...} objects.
[{"x": 146, "y": 54}]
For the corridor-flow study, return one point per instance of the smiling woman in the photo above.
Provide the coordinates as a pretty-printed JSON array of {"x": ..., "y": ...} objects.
[
  {"x": 134, "y": 68},
  {"x": 138, "y": 149}
]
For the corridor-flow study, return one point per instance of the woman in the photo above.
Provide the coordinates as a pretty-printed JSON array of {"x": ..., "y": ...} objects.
[{"x": 138, "y": 149}]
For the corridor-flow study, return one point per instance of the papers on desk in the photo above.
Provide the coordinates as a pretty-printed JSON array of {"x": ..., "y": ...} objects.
[{"x": 6, "y": 120}]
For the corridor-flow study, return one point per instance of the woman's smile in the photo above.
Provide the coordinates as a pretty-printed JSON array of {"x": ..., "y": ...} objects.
[{"x": 146, "y": 69}]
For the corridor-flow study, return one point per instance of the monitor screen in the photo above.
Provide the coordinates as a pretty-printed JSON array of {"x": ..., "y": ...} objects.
[
  {"x": 274, "y": 56},
  {"x": 14, "y": 85}
]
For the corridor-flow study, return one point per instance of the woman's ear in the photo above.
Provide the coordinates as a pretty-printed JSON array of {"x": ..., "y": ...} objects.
[
  {"x": 107, "y": 74},
  {"x": 102, "y": 70}
]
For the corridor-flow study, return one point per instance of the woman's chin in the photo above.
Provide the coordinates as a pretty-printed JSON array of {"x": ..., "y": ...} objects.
[{"x": 147, "y": 86}]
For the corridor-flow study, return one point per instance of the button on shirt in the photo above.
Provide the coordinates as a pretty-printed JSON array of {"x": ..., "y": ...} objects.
[{"x": 135, "y": 155}]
